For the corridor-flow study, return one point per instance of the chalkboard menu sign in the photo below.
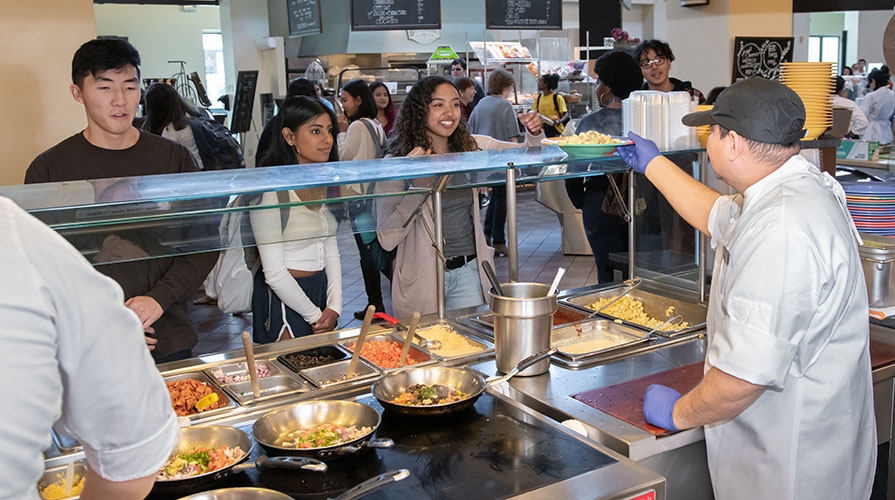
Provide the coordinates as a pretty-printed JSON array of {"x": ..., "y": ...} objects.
[
  {"x": 760, "y": 57},
  {"x": 304, "y": 17},
  {"x": 523, "y": 14},
  {"x": 244, "y": 101},
  {"x": 384, "y": 15}
]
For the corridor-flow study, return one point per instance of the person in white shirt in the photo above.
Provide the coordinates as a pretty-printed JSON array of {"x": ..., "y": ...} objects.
[
  {"x": 79, "y": 363},
  {"x": 787, "y": 397},
  {"x": 879, "y": 106},
  {"x": 300, "y": 289},
  {"x": 858, "y": 123},
  {"x": 168, "y": 115}
]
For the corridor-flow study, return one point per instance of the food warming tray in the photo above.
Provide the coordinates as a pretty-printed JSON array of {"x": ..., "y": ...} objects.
[
  {"x": 563, "y": 316},
  {"x": 328, "y": 375},
  {"x": 229, "y": 403},
  {"x": 654, "y": 305},
  {"x": 486, "y": 348},
  {"x": 269, "y": 387},
  {"x": 416, "y": 352},
  {"x": 240, "y": 371},
  {"x": 587, "y": 340},
  {"x": 310, "y": 358}
]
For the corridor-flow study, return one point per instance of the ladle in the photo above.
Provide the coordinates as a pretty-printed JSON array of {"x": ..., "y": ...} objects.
[
  {"x": 489, "y": 271},
  {"x": 668, "y": 321}
]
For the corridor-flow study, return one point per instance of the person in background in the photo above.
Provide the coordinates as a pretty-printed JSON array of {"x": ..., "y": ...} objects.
[
  {"x": 386, "y": 111},
  {"x": 846, "y": 71},
  {"x": 858, "y": 123},
  {"x": 466, "y": 87},
  {"x": 318, "y": 88},
  {"x": 787, "y": 366},
  {"x": 298, "y": 86},
  {"x": 458, "y": 69},
  {"x": 361, "y": 137},
  {"x": 655, "y": 58},
  {"x": 81, "y": 365},
  {"x": 601, "y": 198},
  {"x": 494, "y": 117},
  {"x": 167, "y": 115},
  {"x": 878, "y": 106},
  {"x": 713, "y": 94},
  {"x": 429, "y": 123},
  {"x": 106, "y": 80},
  {"x": 552, "y": 105},
  {"x": 860, "y": 67},
  {"x": 299, "y": 291}
]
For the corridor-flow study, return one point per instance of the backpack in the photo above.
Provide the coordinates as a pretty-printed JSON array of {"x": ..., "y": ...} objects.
[
  {"x": 365, "y": 216},
  {"x": 217, "y": 148},
  {"x": 378, "y": 144},
  {"x": 231, "y": 281}
]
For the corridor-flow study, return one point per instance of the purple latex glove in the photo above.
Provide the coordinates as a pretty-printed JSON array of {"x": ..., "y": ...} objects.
[
  {"x": 658, "y": 406},
  {"x": 639, "y": 154}
]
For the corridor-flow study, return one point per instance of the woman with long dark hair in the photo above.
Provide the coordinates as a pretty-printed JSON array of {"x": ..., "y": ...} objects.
[
  {"x": 168, "y": 115},
  {"x": 300, "y": 289},
  {"x": 386, "y": 111},
  {"x": 430, "y": 123}
]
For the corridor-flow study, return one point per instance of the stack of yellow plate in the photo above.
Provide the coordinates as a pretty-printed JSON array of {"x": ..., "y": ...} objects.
[
  {"x": 814, "y": 83},
  {"x": 703, "y": 132}
]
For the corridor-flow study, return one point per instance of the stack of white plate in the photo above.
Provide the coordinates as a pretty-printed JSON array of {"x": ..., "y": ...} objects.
[
  {"x": 872, "y": 206},
  {"x": 657, "y": 116},
  {"x": 814, "y": 82}
]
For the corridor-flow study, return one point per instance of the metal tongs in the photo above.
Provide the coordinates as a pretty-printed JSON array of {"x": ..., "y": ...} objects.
[
  {"x": 631, "y": 284},
  {"x": 674, "y": 319}
]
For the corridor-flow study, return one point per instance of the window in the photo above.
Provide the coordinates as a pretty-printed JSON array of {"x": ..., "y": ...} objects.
[
  {"x": 823, "y": 48},
  {"x": 215, "y": 81}
]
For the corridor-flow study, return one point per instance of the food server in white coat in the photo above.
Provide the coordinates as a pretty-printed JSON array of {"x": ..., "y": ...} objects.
[{"x": 787, "y": 399}]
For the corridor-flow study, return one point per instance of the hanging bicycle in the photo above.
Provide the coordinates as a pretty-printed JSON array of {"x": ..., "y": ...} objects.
[{"x": 182, "y": 83}]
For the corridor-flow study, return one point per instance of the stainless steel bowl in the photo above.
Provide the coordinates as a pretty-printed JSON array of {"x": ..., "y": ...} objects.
[
  {"x": 211, "y": 436},
  {"x": 268, "y": 429},
  {"x": 390, "y": 386}
]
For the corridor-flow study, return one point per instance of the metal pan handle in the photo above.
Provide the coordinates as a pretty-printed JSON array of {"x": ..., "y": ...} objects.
[
  {"x": 352, "y": 449},
  {"x": 373, "y": 484},
  {"x": 525, "y": 363},
  {"x": 294, "y": 463}
]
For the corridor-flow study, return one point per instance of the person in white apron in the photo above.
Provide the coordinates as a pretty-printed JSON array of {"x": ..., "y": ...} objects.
[{"x": 787, "y": 399}]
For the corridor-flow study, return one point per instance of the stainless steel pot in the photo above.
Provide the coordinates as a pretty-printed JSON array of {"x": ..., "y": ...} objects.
[
  {"x": 523, "y": 318},
  {"x": 877, "y": 260},
  {"x": 268, "y": 429}
]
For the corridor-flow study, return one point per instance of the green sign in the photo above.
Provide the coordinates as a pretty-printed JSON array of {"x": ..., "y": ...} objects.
[{"x": 444, "y": 53}]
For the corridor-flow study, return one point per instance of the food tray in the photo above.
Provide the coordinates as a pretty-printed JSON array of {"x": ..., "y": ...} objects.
[
  {"x": 485, "y": 347},
  {"x": 239, "y": 370},
  {"x": 269, "y": 387},
  {"x": 563, "y": 316},
  {"x": 654, "y": 305},
  {"x": 595, "y": 337},
  {"x": 57, "y": 475},
  {"x": 229, "y": 403},
  {"x": 417, "y": 353},
  {"x": 290, "y": 361},
  {"x": 328, "y": 375}
]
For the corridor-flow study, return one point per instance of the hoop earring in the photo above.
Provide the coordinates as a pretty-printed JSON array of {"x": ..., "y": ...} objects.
[
  {"x": 297, "y": 152},
  {"x": 603, "y": 104}
]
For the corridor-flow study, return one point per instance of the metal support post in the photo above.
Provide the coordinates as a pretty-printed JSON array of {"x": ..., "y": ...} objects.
[
  {"x": 512, "y": 235},
  {"x": 702, "y": 242},
  {"x": 439, "y": 260},
  {"x": 631, "y": 240}
]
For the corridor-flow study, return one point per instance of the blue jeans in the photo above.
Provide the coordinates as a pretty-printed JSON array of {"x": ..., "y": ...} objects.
[{"x": 462, "y": 287}]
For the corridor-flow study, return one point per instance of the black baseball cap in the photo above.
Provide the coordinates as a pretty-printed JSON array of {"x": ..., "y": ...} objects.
[{"x": 761, "y": 110}]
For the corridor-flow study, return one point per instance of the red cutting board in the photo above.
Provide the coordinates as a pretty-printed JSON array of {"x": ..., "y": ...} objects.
[{"x": 625, "y": 401}]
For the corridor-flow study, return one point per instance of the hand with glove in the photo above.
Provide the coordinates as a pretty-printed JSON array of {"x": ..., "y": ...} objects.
[
  {"x": 658, "y": 406},
  {"x": 639, "y": 154}
]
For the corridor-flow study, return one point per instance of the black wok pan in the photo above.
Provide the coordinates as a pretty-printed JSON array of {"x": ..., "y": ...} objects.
[
  {"x": 213, "y": 436},
  {"x": 468, "y": 381},
  {"x": 269, "y": 428}
]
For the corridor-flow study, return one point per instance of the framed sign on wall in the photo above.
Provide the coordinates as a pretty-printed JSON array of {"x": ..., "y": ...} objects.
[{"x": 760, "y": 57}]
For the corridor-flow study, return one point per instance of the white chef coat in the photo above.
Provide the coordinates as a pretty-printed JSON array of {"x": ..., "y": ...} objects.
[
  {"x": 69, "y": 348},
  {"x": 879, "y": 106},
  {"x": 788, "y": 311}
]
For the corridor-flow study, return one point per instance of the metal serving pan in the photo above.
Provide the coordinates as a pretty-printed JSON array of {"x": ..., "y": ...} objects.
[
  {"x": 229, "y": 403},
  {"x": 65, "y": 444},
  {"x": 420, "y": 355},
  {"x": 563, "y": 316},
  {"x": 310, "y": 358},
  {"x": 331, "y": 374},
  {"x": 58, "y": 475},
  {"x": 595, "y": 337},
  {"x": 654, "y": 305},
  {"x": 269, "y": 387},
  {"x": 478, "y": 347},
  {"x": 234, "y": 373}
]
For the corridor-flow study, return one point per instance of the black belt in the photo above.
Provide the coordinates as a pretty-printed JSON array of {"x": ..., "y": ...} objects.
[{"x": 459, "y": 261}]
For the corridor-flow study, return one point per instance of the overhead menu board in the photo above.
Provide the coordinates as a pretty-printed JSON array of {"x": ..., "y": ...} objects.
[
  {"x": 384, "y": 15},
  {"x": 304, "y": 17},
  {"x": 760, "y": 57},
  {"x": 524, "y": 14}
]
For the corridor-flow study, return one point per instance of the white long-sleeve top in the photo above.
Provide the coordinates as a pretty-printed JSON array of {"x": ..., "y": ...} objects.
[
  {"x": 879, "y": 106},
  {"x": 307, "y": 243}
]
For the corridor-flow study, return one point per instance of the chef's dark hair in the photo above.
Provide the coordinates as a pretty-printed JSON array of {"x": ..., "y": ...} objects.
[
  {"x": 620, "y": 72},
  {"x": 658, "y": 46},
  {"x": 103, "y": 54},
  {"x": 551, "y": 80},
  {"x": 301, "y": 86},
  {"x": 359, "y": 88},
  {"x": 879, "y": 76}
]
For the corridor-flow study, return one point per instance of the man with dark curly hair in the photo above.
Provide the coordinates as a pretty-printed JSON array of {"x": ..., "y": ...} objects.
[{"x": 655, "y": 57}]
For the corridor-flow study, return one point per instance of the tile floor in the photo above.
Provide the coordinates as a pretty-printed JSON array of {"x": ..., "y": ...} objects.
[{"x": 540, "y": 254}]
